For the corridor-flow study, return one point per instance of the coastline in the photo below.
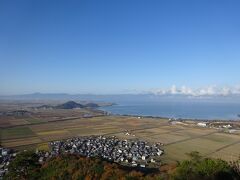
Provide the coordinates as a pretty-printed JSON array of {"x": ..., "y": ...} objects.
[
  {"x": 171, "y": 119},
  {"x": 214, "y": 118}
]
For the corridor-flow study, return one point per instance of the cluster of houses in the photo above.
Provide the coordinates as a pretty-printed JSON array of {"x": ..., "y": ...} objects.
[
  {"x": 6, "y": 155},
  {"x": 218, "y": 125},
  {"x": 130, "y": 152},
  {"x": 133, "y": 153}
]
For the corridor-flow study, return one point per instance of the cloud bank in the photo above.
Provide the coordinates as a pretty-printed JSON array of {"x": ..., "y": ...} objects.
[{"x": 206, "y": 91}]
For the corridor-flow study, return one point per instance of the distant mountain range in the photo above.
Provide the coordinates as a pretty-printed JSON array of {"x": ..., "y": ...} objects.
[{"x": 118, "y": 98}]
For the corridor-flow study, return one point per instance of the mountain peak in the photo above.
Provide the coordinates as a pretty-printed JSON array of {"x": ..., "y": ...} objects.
[{"x": 70, "y": 105}]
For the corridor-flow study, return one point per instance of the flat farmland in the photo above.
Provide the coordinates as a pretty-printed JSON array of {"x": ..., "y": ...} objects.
[
  {"x": 177, "y": 139},
  {"x": 21, "y": 142},
  {"x": 228, "y": 153},
  {"x": 207, "y": 145},
  {"x": 9, "y": 117},
  {"x": 16, "y": 132}
]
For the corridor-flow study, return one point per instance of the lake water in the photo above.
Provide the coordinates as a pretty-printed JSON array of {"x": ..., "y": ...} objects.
[{"x": 191, "y": 110}]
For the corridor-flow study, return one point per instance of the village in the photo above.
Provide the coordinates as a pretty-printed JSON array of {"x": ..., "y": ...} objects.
[
  {"x": 6, "y": 155},
  {"x": 127, "y": 152},
  {"x": 134, "y": 153}
]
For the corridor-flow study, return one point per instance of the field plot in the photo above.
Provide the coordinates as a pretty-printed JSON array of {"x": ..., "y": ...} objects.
[
  {"x": 49, "y": 133},
  {"x": 21, "y": 142},
  {"x": 54, "y": 135},
  {"x": 17, "y": 132},
  {"x": 4, "y": 122},
  {"x": 83, "y": 131},
  {"x": 150, "y": 132},
  {"x": 43, "y": 147},
  {"x": 169, "y": 137},
  {"x": 34, "y": 120},
  {"x": 11, "y": 121},
  {"x": 223, "y": 138},
  {"x": 205, "y": 145},
  {"x": 229, "y": 153},
  {"x": 16, "y": 121},
  {"x": 107, "y": 130},
  {"x": 193, "y": 132}
]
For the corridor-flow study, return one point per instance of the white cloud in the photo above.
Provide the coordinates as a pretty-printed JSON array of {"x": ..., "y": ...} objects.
[
  {"x": 206, "y": 91},
  {"x": 173, "y": 90},
  {"x": 186, "y": 90}
]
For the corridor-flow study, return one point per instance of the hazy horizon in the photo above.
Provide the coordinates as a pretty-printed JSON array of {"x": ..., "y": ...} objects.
[{"x": 183, "y": 90}]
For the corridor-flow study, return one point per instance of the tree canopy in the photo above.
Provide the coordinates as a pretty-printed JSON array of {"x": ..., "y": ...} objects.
[{"x": 26, "y": 166}]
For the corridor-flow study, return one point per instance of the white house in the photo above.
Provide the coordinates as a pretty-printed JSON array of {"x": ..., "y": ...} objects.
[{"x": 202, "y": 124}]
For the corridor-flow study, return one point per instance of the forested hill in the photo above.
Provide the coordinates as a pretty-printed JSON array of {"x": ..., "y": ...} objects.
[{"x": 71, "y": 105}]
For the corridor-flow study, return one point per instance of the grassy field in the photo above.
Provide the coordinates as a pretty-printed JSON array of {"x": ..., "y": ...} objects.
[
  {"x": 178, "y": 140},
  {"x": 34, "y": 120},
  {"x": 16, "y": 132}
]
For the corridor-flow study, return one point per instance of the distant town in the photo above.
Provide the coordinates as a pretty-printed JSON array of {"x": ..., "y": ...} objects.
[{"x": 232, "y": 127}]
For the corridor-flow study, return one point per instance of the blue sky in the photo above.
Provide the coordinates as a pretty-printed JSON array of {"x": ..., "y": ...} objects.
[{"x": 117, "y": 46}]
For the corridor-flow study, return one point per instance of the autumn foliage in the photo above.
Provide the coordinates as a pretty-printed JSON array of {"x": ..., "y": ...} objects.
[{"x": 76, "y": 167}]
